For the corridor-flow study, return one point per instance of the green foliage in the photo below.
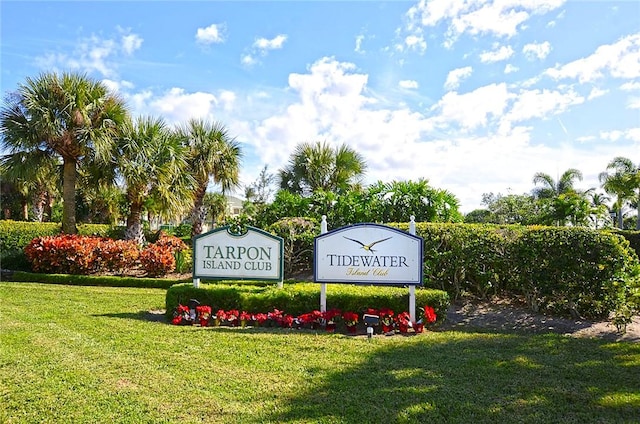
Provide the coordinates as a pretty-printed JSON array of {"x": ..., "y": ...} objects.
[
  {"x": 633, "y": 237},
  {"x": 300, "y": 298},
  {"x": 182, "y": 230},
  {"x": 579, "y": 271},
  {"x": 584, "y": 272},
  {"x": 298, "y": 235},
  {"x": 94, "y": 280}
]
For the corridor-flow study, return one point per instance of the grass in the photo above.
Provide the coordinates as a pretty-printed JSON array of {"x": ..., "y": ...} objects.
[{"x": 92, "y": 355}]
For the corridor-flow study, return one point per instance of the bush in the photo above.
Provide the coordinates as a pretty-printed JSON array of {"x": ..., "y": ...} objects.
[
  {"x": 16, "y": 235},
  {"x": 75, "y": 254},
  {"x": 300, "y": 298},
  {"x": 297, "y": 235}
]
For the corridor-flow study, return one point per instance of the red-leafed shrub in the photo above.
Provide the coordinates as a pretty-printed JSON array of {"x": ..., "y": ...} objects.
[
  {"x": 171, "y": 242},
  {"x": 118, "y": 256},
  {"x": 69, "y": 254},
  {"x": 157, "y": 260}
]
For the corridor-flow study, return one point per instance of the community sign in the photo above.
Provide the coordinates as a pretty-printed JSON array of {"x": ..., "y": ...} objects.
[
  {"x": 253, "y": 255},
  {"x": 368, "y": 254}
]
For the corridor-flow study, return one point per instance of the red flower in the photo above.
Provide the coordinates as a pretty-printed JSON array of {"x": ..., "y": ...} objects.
[
  {"x": 403, "y": 319},
  {"x": 386, "y": 317},
  {"x": 429, "y": 314},
  {"x": 203, "y": 313},
  {"x": 350, "y": 318},
  {"x": 286, "y": 321},
  {"x": 261, "y": 318},
  {"x": 331, "y": 314}
]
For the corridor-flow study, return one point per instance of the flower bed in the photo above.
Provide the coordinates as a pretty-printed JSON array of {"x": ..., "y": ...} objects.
[{"x": 332, "y": 320}]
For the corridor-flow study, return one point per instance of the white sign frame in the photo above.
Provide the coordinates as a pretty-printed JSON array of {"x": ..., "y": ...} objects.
[
  {"x": 253, "y": 255},
  {"x": 368, "y": 253}
]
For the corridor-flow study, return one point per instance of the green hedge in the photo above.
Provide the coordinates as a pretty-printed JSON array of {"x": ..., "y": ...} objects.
[
  {"x": 15, "y": 235},
  {"x": 576, "y": 271},
  {"x": 86, "y": 280},
  {"x": 299, "y": 298}
]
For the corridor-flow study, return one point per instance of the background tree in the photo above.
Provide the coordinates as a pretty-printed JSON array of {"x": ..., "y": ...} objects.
[
  {"x": 150, "y": 159},
  {"x": 36, "y": 176},
  {"x": 624, "y": 183},
  {"x": 212, "y": 154},
  {"x": 317, "y": 166},
  {"x": 617, "y": 181},
  {"x": 549, "y": 188},
  {"x": 398, "y": 200},
  {"x": 216, "y": 206},
  {"x": 70, "y": 116},
  {"x": 559, "y": 198},
  {"x": 261, "y": 190}
]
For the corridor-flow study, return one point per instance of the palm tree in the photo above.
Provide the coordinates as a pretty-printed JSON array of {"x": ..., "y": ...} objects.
[
  {"x": 212, "y": 154},
  {"x": 559, "y": 199},
  {"x": 551, "y": 188},
  {"x": 35, "y": 174},
  {"x": 70, "y": 116},
  {"x": 599, "y": 208},
  {"x": 624, "y": 183},
  {"x": 317, "y": 166},
  {"x": 150, "y": 159}
]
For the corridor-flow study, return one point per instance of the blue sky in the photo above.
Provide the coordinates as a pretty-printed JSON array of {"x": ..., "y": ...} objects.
[{"x": 476, "y": 96}]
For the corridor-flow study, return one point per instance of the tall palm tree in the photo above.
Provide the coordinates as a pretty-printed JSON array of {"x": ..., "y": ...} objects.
[
  {"x": 69, "y": 115},
  {"x": 149, "y": 158},
  {"x": 317, "y": 166},
  {"x": 624, "y": 183},
  {"x": 212, "y": 154}
]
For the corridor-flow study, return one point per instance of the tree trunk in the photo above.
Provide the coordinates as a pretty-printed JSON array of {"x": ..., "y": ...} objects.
[
  {"x": 25, "y": 210},
  {"x": 69, "y": 197},
  {"x": 134, "y": 226},
  {"x": 198, "y": 213},
  {"x": 620, "y": 219}
]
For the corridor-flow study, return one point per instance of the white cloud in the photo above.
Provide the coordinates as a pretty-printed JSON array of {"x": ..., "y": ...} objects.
[
  {"x": 486, "y": 17},
  {"x": 509, "y": 68},
  {"x": 456, "y": 76},
  {"x": 93, "y": 54},
  {"x": 131, "y": 43},
  {"x": 630, "y": 86},
  {"x": 275, "y": 43},
  {"x": 633, "y": 103},
  {"x": 180, "y": 106},
  {"x": 541, "y": 103},
  {"x": 213, "y": 34},
  {"x": 536, "y": 51},
  {"x": 248, "y": 60},
  {"x": 359, "y": 40},
  {"x": 498, "y": 54},
  {"x": 260, "y": 48},
  {"x": 620, "y": 59},
  {"x": 415, "y": 42},
  {"x": 408, "y": 84},
  {"x": 596, "y": 92},
  {"x": 473, "y": 109}
]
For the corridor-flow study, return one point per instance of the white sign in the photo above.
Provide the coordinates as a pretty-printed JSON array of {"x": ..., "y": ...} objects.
[
  {"x": 254, "y": 255},
  {"x": 368, "y": 254}
]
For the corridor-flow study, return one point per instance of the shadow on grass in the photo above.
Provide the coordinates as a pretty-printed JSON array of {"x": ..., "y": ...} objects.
[
  {"x": 464, "y": 378},
  {"x": 153, "y": 316}
]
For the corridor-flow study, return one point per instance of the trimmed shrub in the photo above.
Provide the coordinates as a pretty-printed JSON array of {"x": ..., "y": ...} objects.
[{"x": 300, "y": 298}]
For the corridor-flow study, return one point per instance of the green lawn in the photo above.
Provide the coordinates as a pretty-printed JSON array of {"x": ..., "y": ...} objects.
[{"x": 90, "y": 355}]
